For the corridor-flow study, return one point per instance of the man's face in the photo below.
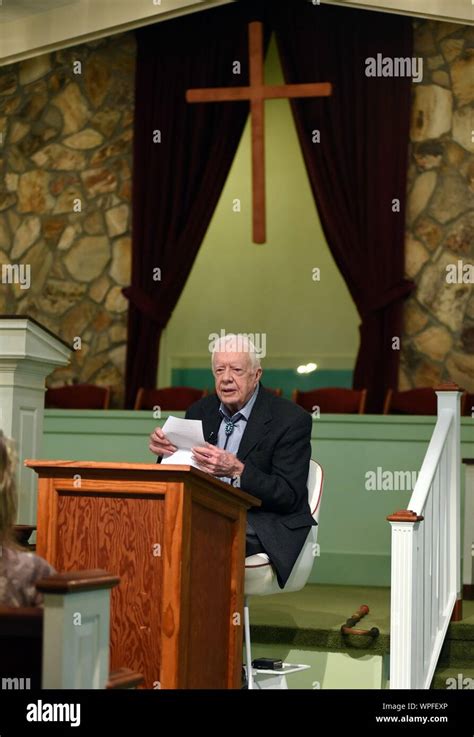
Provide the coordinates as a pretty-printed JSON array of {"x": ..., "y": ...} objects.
[{"x": 235, "y": 378}]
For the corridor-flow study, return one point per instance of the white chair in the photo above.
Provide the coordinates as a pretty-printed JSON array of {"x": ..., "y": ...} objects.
[{"x": 261, "y": 580}]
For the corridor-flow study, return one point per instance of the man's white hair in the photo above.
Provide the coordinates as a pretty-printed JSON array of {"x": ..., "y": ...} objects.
[{"x": 237, "y": 343}]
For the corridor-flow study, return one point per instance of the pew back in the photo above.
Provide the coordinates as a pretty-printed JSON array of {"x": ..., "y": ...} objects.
[{"x": 21, "y": 642}]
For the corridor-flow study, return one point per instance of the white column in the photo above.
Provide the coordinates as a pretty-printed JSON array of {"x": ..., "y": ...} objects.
[
  {"x": 405, "y": 644},
  {"x": 28, "y": 353}
]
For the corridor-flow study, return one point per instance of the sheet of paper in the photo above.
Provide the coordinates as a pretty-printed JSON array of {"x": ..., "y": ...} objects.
[
  {"x": 180, "y": 458},
  {"x": 185, "y": 434}
]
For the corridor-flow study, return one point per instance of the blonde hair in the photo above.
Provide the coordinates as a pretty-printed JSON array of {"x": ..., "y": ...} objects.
[{"x": 8, "y": 494}]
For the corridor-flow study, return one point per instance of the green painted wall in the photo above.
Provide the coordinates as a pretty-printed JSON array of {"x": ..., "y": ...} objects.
[
  {"x": 236, "y": 285},
  {"x": 354, "y": 536}
]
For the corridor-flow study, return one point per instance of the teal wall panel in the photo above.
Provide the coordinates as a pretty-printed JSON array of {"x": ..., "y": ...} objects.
[
  {"x": 285, "y": 379},
  {"x": 354, "y": 536}
]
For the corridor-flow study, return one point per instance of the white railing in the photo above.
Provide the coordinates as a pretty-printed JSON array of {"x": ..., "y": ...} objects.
[{"x": 426, "y": 554}]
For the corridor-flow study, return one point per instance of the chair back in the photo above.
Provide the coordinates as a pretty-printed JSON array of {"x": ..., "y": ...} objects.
[
  {"x": 315, "y": 488},
  {"x": 276, "y": 392},
  {"x": 421, "y": 401},
  {"x": 332, "y": 400},
  {"x": 467, "y": 406},
  {"x": 78, "y": 396},
  {"x": 304, "y": 563},
  {"x": 176, "y": 398}
]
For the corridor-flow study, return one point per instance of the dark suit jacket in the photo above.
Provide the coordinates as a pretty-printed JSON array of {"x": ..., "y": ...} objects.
[{"x": 276, "y": 450}]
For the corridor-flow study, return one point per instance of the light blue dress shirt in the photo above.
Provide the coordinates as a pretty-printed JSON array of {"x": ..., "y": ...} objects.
[{"x": 233, "y": 443}]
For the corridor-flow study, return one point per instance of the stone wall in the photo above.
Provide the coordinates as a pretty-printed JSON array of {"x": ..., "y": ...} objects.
[
  {"x": 438, "y": 341},
  {"x": 66, "y": 123}
]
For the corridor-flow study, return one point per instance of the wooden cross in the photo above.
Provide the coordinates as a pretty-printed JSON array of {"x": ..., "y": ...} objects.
[{"x": 257, "y": 92}]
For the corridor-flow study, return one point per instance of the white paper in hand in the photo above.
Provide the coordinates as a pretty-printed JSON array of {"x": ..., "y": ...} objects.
[{"x": 185, "y": 434}]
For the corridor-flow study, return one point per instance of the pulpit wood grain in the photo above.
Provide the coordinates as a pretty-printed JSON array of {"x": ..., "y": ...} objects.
[{"x": 176, "y": 538}]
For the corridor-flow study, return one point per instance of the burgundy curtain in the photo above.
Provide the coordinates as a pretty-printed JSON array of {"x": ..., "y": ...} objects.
[
  {"x": 359, "y": 166},
  {"x": 177, "y": 182}
]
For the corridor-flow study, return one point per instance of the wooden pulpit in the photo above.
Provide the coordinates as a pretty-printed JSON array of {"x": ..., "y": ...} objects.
[{"x": 176, "y": 538}]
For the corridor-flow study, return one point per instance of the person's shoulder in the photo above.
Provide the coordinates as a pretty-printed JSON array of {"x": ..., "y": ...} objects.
[
  {"x": 202, "y": 406},
  {"x": 41, "y": 566},
  {"x": 16, "y": 558},
  {"x": 30, "y": 564},
  {"x": 19, "y": 572}
]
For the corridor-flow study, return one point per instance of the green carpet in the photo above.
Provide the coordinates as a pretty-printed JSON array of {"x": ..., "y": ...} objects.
[
  {"x": 460, "y": 676},
  {"x": 312, "y": 619},
  {"x": 458, "y": 648}
]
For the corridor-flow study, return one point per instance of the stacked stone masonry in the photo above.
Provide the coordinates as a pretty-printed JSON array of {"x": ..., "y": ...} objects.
[
  {"x": 438, "y": 339},
  {"x": 66, "y": 124}
]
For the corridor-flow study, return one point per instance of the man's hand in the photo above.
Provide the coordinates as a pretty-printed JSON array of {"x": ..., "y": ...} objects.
[
  {"x": 217, "y": 461},
  {"x": 159, "y": 443}
]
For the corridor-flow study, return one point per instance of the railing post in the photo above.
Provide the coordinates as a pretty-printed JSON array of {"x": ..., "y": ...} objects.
[
  {"x": 76, "y": 629},
  {"x": 405, "y": 600},
  {"x": 449, "y": 397}
]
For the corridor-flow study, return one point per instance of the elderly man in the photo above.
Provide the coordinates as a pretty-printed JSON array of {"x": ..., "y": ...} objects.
[{"x": 257, "y": 441}]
